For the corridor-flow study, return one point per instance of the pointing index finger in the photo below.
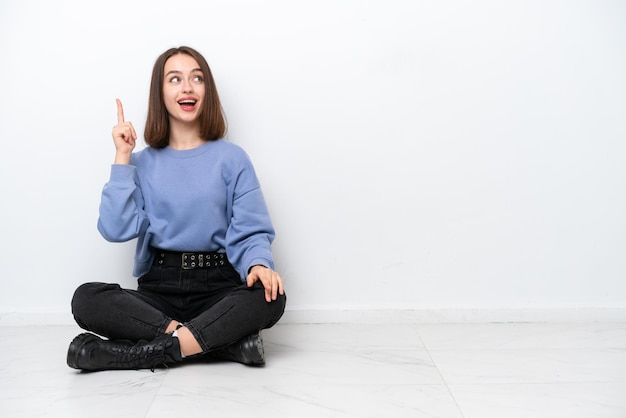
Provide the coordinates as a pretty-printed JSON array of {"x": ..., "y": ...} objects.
[{"x": 120, "y": 111}]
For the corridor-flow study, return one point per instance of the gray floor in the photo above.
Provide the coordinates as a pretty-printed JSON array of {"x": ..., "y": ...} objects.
[{"x": 343, "y": 370}]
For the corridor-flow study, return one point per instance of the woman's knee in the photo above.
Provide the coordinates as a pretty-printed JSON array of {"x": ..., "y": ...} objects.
[
  {"x": 86, "y": 297},
  {"x": 277, "y": 308}
]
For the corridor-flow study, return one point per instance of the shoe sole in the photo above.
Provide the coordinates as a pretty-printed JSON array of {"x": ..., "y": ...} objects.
[
  {"x": 76, "y": 346},
  {"x": 258, "y": 361}
]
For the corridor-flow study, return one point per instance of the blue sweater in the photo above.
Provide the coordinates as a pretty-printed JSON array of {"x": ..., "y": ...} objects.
[{"x": 203, "y": 199}]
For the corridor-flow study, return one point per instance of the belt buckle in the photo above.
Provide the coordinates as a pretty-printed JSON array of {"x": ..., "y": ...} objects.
[{"x": 188, "y": 261}]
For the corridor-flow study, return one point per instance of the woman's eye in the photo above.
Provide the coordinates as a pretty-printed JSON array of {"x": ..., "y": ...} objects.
[
  {"x": 174, "y": 80},
  {"x": 198, "y": 79}
]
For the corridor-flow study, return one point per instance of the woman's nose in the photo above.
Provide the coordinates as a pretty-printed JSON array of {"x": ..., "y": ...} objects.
[{"x": 187, "y": 86}]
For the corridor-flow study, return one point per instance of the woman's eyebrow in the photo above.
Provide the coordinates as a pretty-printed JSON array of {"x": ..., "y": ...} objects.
[{"x": 180, "y": 72}]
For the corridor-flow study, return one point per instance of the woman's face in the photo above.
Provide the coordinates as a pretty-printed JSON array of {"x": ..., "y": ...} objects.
[{"x": 183, "y": 88}]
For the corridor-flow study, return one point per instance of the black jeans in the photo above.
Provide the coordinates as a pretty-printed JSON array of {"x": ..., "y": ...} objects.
[{"x": 212, "y": 303}]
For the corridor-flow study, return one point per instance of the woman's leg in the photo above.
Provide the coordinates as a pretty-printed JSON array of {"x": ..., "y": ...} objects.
[
  {"x": 215, "y": 308},
  {"x": 118, "y": 314},
  {"x": 133, "y": 325},
  {"x": 188, "y": 344},
  {"x": 242, "y": 312},
  {"x": 229, "y": 321}
]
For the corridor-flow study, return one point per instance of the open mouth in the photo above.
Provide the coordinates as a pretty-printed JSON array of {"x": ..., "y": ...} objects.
[{"x": 187, "y": 104}]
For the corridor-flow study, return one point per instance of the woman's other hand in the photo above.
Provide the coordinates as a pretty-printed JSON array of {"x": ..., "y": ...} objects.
[{"x": 270, "y": 279}]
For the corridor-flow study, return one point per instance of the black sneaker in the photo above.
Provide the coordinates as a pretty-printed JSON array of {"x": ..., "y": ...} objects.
[
  {"x": 249, "y": 351},
  {"x": 91, "y": 353}
]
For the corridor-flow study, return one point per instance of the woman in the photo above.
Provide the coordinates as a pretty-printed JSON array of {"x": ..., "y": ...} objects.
[{"x": 207, "y": 283}]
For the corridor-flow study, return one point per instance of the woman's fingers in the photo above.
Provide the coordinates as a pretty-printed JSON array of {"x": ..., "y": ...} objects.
[
  {"x": 124, "y": 134},
  {"x": 120, "y": 111},
  {"x": 271, "y": 280}
]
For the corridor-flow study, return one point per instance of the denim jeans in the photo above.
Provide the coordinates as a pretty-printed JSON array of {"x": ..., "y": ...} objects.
[{"x": 212, "y": 303}]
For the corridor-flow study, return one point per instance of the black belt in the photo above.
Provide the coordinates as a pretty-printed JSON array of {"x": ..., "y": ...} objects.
[{"x": 189, "y": 261}]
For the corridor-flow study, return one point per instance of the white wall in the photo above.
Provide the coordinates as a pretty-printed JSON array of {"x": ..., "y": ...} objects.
[{"x": 414, "y": 154}]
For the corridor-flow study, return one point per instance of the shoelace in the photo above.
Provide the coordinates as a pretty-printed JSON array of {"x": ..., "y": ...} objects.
[{"x": 150, "y": 355}]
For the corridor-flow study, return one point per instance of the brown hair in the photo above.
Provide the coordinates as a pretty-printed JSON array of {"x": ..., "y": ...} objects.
[{"x": 212, "y": 121}]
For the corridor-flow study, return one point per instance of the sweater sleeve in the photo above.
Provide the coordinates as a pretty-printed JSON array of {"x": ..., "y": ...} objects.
[
  {"x": 122, "y": 217},
  {"x": 250, "y": 232}
]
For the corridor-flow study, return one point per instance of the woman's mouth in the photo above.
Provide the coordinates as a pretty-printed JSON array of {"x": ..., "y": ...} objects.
[{"x": 187, "y": 104}]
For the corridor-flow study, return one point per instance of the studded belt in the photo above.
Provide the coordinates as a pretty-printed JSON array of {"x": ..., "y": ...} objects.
[{"x": 189, "y": 261}]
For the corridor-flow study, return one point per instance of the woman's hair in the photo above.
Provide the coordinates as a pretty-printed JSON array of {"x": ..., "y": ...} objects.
[{"x": 212, "y": 121}]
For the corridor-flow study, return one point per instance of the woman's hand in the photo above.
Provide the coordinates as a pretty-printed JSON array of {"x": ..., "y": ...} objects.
[
  {"x": 271, "y": 281},
  {"x": 124, "y": 137}
]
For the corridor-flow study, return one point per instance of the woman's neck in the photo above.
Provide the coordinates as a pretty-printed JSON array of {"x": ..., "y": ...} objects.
[{"x": 183, "y": 137}]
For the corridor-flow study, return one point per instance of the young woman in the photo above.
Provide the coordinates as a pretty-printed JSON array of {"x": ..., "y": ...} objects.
[{"x": 207, "y": 283}]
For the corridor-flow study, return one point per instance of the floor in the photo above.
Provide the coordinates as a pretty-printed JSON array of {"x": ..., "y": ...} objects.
[{"x": 498, "y": 370}]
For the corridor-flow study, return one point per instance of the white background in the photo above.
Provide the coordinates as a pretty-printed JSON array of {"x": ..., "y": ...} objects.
[{"x": 414, "y": 154}]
